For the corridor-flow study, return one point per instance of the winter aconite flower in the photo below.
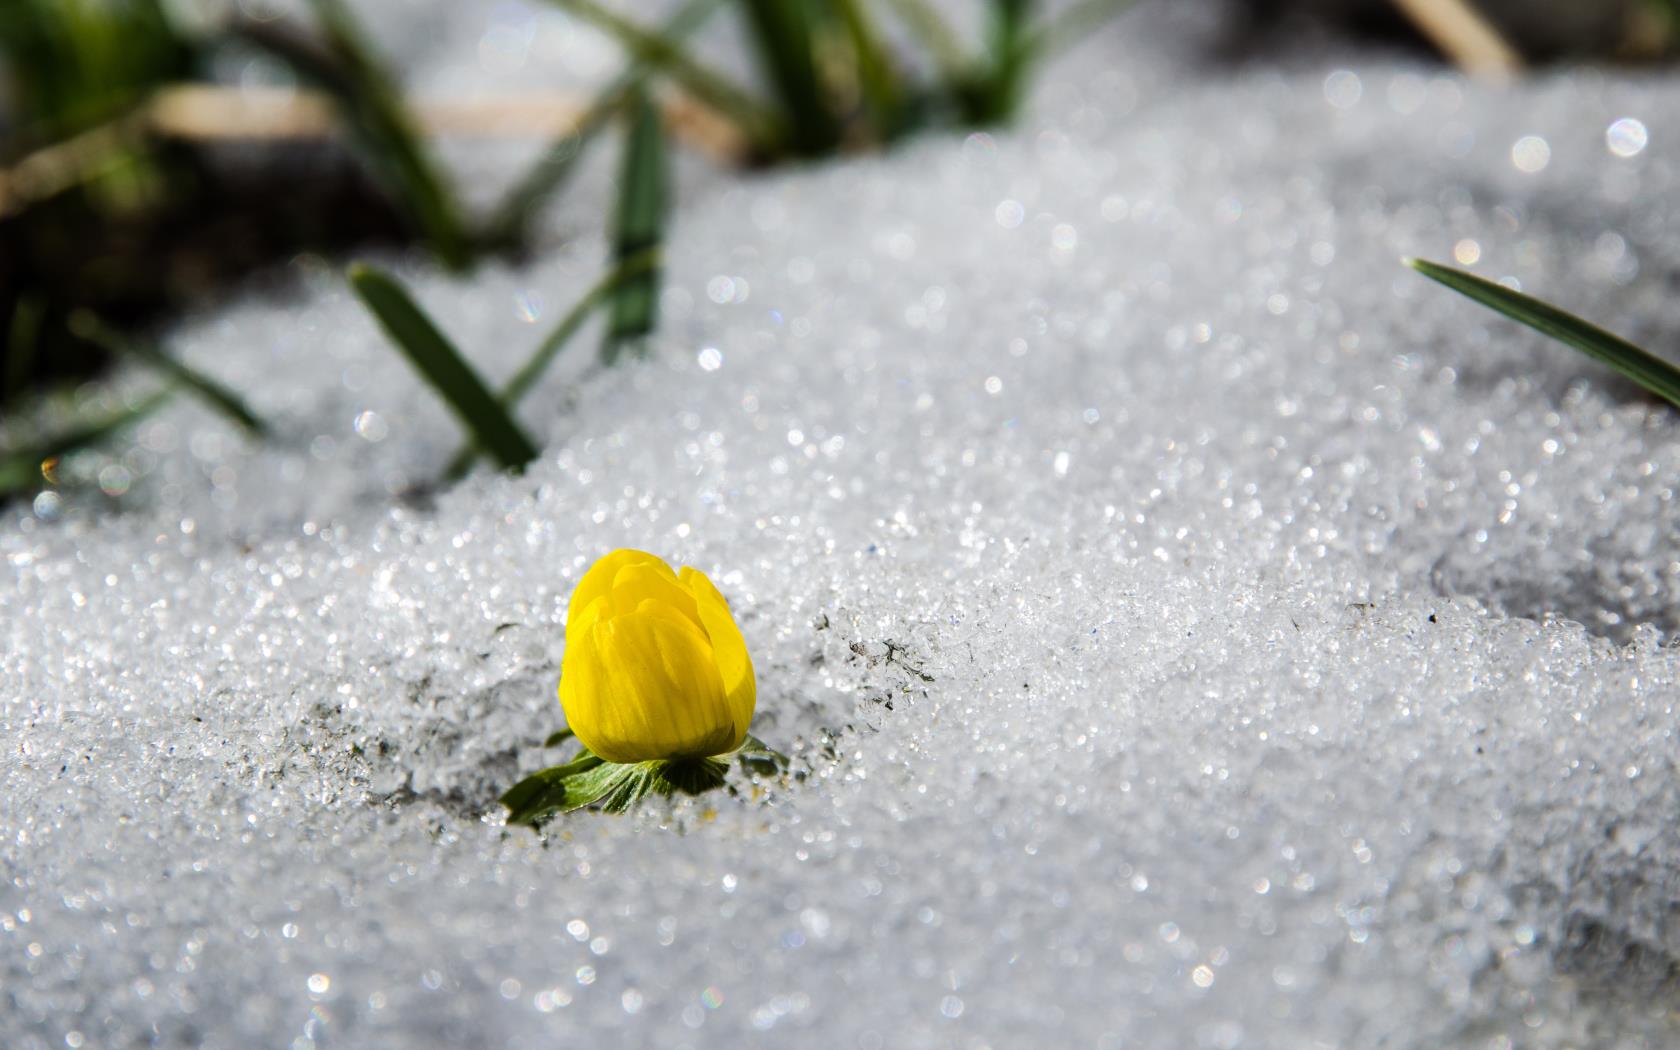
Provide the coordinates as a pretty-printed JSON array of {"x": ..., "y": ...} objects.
[
  {"x": 657, "y": 686},
  {"x": 655, "y": 667}
]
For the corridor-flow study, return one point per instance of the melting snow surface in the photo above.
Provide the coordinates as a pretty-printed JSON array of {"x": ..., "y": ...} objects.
[{"x": 1191, "y": 627}]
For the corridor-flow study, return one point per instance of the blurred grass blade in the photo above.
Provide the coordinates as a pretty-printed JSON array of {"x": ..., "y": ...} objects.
[
  {"x": 659, "y": 50},
  {"x": 391, "y": 134},
  {"x": 1651, "y": 372},
  {"x": 84, "y": 325},
  {"x": 937, "y": 36},
  {"x": 631, "y": 269},
  {"x": 20, "y": 470},
  {"x": 883, "y": 94},
  {"x": 550, "y": 347},
  {"x": 1070, "y": 26},
  {"x": 1010, "y": 52},
  {"x": 508, "y": 224},
  {"x": 638, "y": 227},
  {"x": 374, "y": 115},
  {"x": 23, "y": 341},
  {"x": 437, "y": 360},
  {"x": 784, "y": 37}
]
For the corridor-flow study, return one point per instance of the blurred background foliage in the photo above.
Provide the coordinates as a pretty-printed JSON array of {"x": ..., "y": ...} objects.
[{"x": 133, "y": 186}]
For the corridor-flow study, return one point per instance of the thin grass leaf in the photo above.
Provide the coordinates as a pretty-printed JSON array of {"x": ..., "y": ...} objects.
[
  {"x": 441, "y": 365},
  {"x": 556, "y": 340},
  {"x": 1649, "y": 371},
  {"x": 638, "y": 227},
  {"x": 1070, "y": 27},
  {"x": 879, "y": 79},
  {"x": 784, "y": 37},
  {"x": 997, "y": 94},
  {"x": 85, "y": 325},
  {"x": 660, "y": 50},
  {"x": 23, "y": 342},
  {"x": 20, "y": 470},
  {"x": 374, "y": 114},
  {"x": 390, "y": 131},
  {"x": 937, "y": 36},
  {"x": 508, "y": 225}
]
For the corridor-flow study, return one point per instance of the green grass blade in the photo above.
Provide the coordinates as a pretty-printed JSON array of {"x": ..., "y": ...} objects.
[
  {"x": 557, "y": 339},
  {"x": 390, "y": 132},
  {"x": 508, "y": 224},
  {"x": 991, "y": 92},
  {"x": 23, "y": 342},
  {"x": 1651, "y": 372},
  {"x": 1072, "y": 25},
  {"x": 85, "y": 325},
  {"x": 878, "y": 78},
  {"x": 375, "y": 116},
  {"x": 784, "y": 36},
  {"x": 937, "y": 36},
  {"x": 659, "y": 50},
  {"x": 638, "y": 227},
  {"x": 20, "y": 471},
  {"x": 441, "y": 365}
]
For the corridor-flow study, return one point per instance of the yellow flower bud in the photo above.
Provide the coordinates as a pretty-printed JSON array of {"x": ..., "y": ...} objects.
[{"x": 655, "y": 667}]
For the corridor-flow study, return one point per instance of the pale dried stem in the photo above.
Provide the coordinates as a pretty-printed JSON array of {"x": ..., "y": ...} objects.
[
  {"x": 1464, "y": 36},
  {"x": 209, "y": 114}
]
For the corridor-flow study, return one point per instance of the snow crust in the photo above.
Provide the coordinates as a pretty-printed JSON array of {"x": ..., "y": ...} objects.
[{"x": 1190, "y": 627}]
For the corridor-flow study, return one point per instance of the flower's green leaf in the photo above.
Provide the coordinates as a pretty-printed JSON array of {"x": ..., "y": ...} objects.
[
  {"x": 638, "y": 227},
  {"x": 1649, "y": 371},
  {"x": 557, "y": 338},
  {"x": 659, "y": 50},
  {"x": 437, "y": 360},
  {"x": 554, "y": 790},
  {"x": 558, "y": 737},
  {"x": 20, "y": 470},
  {"x": 616, "y": 786},
  {"x": 783, "y": 34},
  {"x": 758, "y": 757},
  {"x": 84, "y": 325},
  {"x": 687, "y": 776},
  {"x": 618, "y": 790}
]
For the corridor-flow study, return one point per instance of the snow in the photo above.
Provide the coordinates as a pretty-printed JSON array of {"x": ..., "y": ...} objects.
[{"x": 1190, "y": 627}]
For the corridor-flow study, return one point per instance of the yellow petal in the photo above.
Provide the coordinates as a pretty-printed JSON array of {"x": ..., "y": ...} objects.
[
  {"x": 641, "y": 582},
  {"x": 729, "y": 649},
  {"x": 599, "y": 609},
  {"x": 598, "y": 581},
  {"x": 644, "y": 686}
]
